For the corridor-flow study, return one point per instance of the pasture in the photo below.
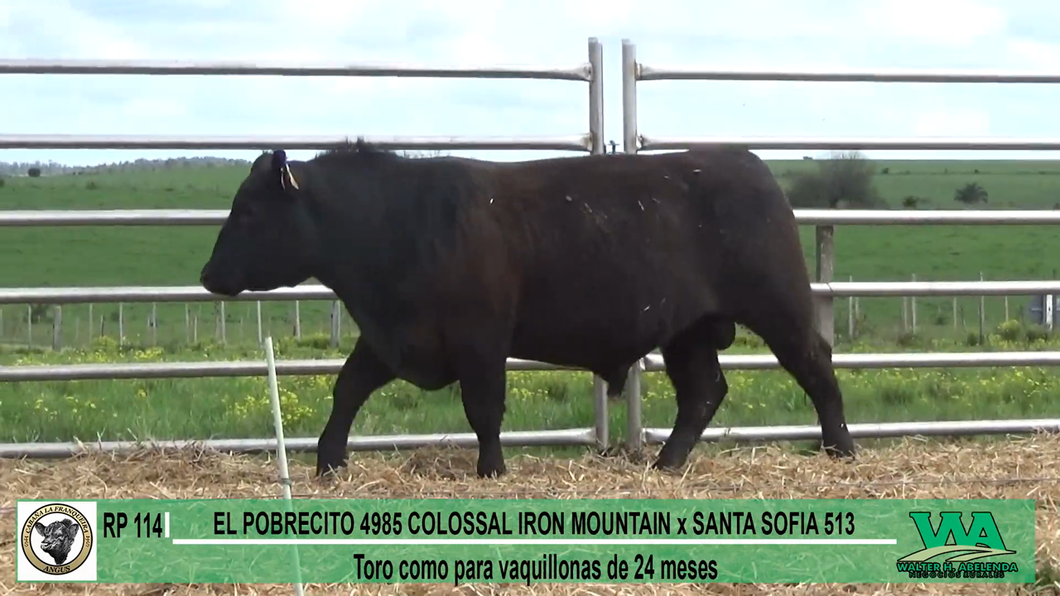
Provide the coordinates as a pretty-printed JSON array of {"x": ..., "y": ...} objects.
[
  {"x": 235, "y": 408},
  {"x": 537, "y": 400},
  {"x": 102, "y": 256}
]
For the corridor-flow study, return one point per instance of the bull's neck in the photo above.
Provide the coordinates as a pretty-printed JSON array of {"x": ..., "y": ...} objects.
[
  {"x": 344, "y": 250},
  {"x": 365, "y": 246}
]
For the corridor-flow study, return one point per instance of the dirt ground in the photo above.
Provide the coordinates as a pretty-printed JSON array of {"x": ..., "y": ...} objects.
[{"x": 1022, "y": 468}]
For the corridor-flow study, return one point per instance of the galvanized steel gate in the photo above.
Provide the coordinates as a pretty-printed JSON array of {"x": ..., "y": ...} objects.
[{"x": 593, "y": 142}]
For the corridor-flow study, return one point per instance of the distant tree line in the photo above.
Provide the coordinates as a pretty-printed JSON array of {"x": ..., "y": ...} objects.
[
  {"x": 52, "y": 168},
  {"x": 36, "y": 169}
]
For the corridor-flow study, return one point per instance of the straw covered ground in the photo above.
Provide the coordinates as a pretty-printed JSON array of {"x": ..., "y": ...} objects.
[{"x": 1022, "y": 468}]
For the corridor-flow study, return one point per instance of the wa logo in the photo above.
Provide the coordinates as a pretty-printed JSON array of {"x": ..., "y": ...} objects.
[{"x": 958, "y": 550}]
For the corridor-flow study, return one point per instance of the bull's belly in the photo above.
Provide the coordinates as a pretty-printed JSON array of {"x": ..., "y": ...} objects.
[{"x": 589, "y": 343}]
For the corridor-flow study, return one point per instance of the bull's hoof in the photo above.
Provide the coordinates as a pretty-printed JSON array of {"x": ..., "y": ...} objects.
[
  {"x": 666, "y": 466},
  {"x": 839, "y": 453},
  {"x": 669, "y": 463},
  {"x": 491, "y": 469},
  {"x": 328, "y": 471},
  {"x": 673, "y": 456}
]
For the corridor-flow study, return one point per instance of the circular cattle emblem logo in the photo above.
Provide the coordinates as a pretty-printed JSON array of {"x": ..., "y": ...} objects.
[{"x": 56, "y": 539}]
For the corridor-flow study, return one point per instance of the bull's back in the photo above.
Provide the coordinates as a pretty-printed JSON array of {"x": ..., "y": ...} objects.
[
  {"x": 616, "y": 216},
  {"x": 628, "y": 248}
]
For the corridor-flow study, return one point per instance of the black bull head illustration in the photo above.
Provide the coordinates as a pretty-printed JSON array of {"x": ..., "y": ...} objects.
[{"x": 58, "y": 538}]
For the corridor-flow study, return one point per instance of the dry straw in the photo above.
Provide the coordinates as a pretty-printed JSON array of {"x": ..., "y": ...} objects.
[{"x": 1021, "y": 468}]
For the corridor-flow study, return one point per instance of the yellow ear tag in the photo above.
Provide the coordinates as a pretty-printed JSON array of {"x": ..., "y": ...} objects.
[{"x": 290, "y": 175}]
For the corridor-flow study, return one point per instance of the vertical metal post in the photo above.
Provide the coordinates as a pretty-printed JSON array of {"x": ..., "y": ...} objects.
[
  {"x": 91, "y": 322},
  {"x": 297, "y": 321},
  {"x": 850, "y": 316},
  {"x": 154, "y": 324},
  {"x": 634, "y": 428},
  {"x": 258, "y": 305},
  {"x": 596, "y": 95},
  {"x": 121, "y": 324},
  {"x": 334, "y": 324},
  {"x": 982, "y": 314},
  {"x": 912, "y": 307},
  {"x": 630, "y": 137},
  {"x": 57, "y": 328},
  {"x": 596, "y": 133},
  {"x": 338, "y": 323},
  {"x": 825, "y": 269}
]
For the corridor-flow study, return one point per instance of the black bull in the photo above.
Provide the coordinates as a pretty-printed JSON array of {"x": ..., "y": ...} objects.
[{"x": 449, "y": 266}]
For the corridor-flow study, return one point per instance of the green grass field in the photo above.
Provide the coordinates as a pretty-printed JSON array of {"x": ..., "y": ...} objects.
[
  {"x": 100, "y": 256},
  {"x": 203, "y": 408},
  {"x": 232, "y": 408}
]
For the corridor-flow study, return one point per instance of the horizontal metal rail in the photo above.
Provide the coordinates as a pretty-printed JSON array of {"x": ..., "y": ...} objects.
[
  {"x": 577, "y": 436},
  {"x": 155, "y": 294},
  {"x": 912, "y": 217},
  {"x": 56, "y": 141},
  {"x": 651, "y": 363},
  {"x": 581, "y": 72},
  {"x": 651, "y": 73},
  {"x": 583, "y": 436},
  {"x": 867, "y": 143},
  {"x": 205, "y": 369},
  {"x": 203, "y": 217},
  {"x": 564, "y": 437},
  {"x": 932, "y": 288},
  {"x": 319, "y": 292},
  {"x": 655, "y": 363},
  {"x": 882, "y": 430},
  {"x": 113, "y": 217}
]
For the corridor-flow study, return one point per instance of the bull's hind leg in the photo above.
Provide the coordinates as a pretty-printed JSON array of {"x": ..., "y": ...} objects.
[
  {"x": 483, "y": 389},
  {"x": 692, "y": 365},
  {"x": 806, "y": 355},
  {"x": 362, "y": 374}
]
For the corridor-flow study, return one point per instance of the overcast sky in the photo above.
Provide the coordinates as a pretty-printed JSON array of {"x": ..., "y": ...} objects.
[{"x": 863, "y": 34}]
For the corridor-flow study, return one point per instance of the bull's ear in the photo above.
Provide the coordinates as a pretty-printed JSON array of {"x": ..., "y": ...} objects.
[
  {"x": 260, "y": 161},
  {"x": 283, "y": 170},
  {"x": 72, "y": 528},
  {"x": 39, "y": 527}
]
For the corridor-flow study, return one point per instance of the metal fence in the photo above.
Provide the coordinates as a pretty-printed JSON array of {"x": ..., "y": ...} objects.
[
  {"x": 592, "y": 141},
  {"x": 823, "y": 219}
]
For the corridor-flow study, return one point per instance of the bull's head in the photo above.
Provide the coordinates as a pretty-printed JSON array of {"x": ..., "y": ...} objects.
[
  {"x": 58, "y": 538},
  {"x": 267, "y": 240}
]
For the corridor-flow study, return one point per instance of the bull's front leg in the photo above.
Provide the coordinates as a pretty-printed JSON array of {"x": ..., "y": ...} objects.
[{"x": 362, "y": 374}]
